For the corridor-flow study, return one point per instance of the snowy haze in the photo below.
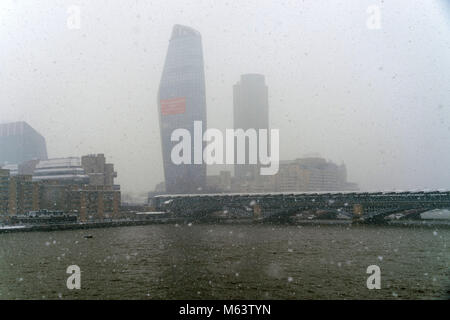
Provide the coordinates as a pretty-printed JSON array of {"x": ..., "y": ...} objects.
[{"x": 376, "y": 99}]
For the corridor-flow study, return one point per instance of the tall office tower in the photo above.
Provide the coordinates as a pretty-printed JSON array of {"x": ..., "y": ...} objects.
[
  {"x": 181, "y": 101},
  {"x": 19, "y": 142},
  {"x": 251, "y": 111}
]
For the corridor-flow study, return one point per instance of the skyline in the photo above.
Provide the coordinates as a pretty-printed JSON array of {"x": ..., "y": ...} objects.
[{"x": 382, "y": 109}]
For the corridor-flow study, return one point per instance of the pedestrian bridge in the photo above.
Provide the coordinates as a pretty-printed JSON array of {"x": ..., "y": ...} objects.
[{"x": 365, "y": 207}]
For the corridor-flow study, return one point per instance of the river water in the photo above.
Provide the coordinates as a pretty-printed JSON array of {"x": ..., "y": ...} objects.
[{"x": 202, "y": 261}]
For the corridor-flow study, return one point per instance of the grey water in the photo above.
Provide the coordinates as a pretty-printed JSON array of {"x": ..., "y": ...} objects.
[{"x": 208, "y": 261}]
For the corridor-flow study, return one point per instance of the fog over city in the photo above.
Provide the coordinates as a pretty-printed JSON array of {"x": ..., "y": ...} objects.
[{"x": 376, "y": 99}]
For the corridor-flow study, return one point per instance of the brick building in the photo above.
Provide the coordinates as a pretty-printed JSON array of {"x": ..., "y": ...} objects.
[
  {"x": 18, "y": 194},
  {"x": 79, "y": 186}
]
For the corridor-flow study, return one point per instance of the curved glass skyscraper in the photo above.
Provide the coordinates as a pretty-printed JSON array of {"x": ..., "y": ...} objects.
[{"x": 181, "y": 101}]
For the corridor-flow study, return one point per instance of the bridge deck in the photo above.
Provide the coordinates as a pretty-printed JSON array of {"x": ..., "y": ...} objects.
[{"x": 360, "y": 205}]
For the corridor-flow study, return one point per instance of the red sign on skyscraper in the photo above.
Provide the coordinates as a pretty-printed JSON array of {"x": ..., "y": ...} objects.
[{"x": 173, "y": 106}]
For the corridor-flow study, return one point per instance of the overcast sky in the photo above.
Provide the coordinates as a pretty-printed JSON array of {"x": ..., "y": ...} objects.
[{"x": 376, "y": 99}]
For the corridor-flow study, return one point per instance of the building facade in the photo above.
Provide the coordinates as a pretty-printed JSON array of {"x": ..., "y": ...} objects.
[
  {"x": 100, "y": 173},
  {"x": 250, "y": 111},
  {"x": 4, "y": 191},
  {"x": 299, "y": 175},
  {"x": 312, "y": 174},
  {"x": 181, "y": 101},
  {"x": 78, "y": 186},
  {"x": 64, "y": 170},
  {"x": 84, "y": 186},
  {"x": 86, "y": 201},
  {"x": 19, "y": 142},
  {"x": 18, "y": 194}
]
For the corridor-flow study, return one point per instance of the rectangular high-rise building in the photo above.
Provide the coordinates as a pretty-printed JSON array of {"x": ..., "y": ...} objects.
[
  {"x": 181, "y": 101},
  {"x": 250, "y": 111},
  {"x": 19, "y": 142}
]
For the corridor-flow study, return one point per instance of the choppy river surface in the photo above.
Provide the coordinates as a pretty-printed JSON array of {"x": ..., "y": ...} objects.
[{"x": 227, "y": 262}]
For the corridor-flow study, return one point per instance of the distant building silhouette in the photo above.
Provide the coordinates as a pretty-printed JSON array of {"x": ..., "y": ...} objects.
[
  {"x": 312, "y": 174},
  {"x": 250, "y": 111},
  {"x": 181, "y": 101},
  {"x": 299, "y": 175},
  {"x": 19, "y": 142}
]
